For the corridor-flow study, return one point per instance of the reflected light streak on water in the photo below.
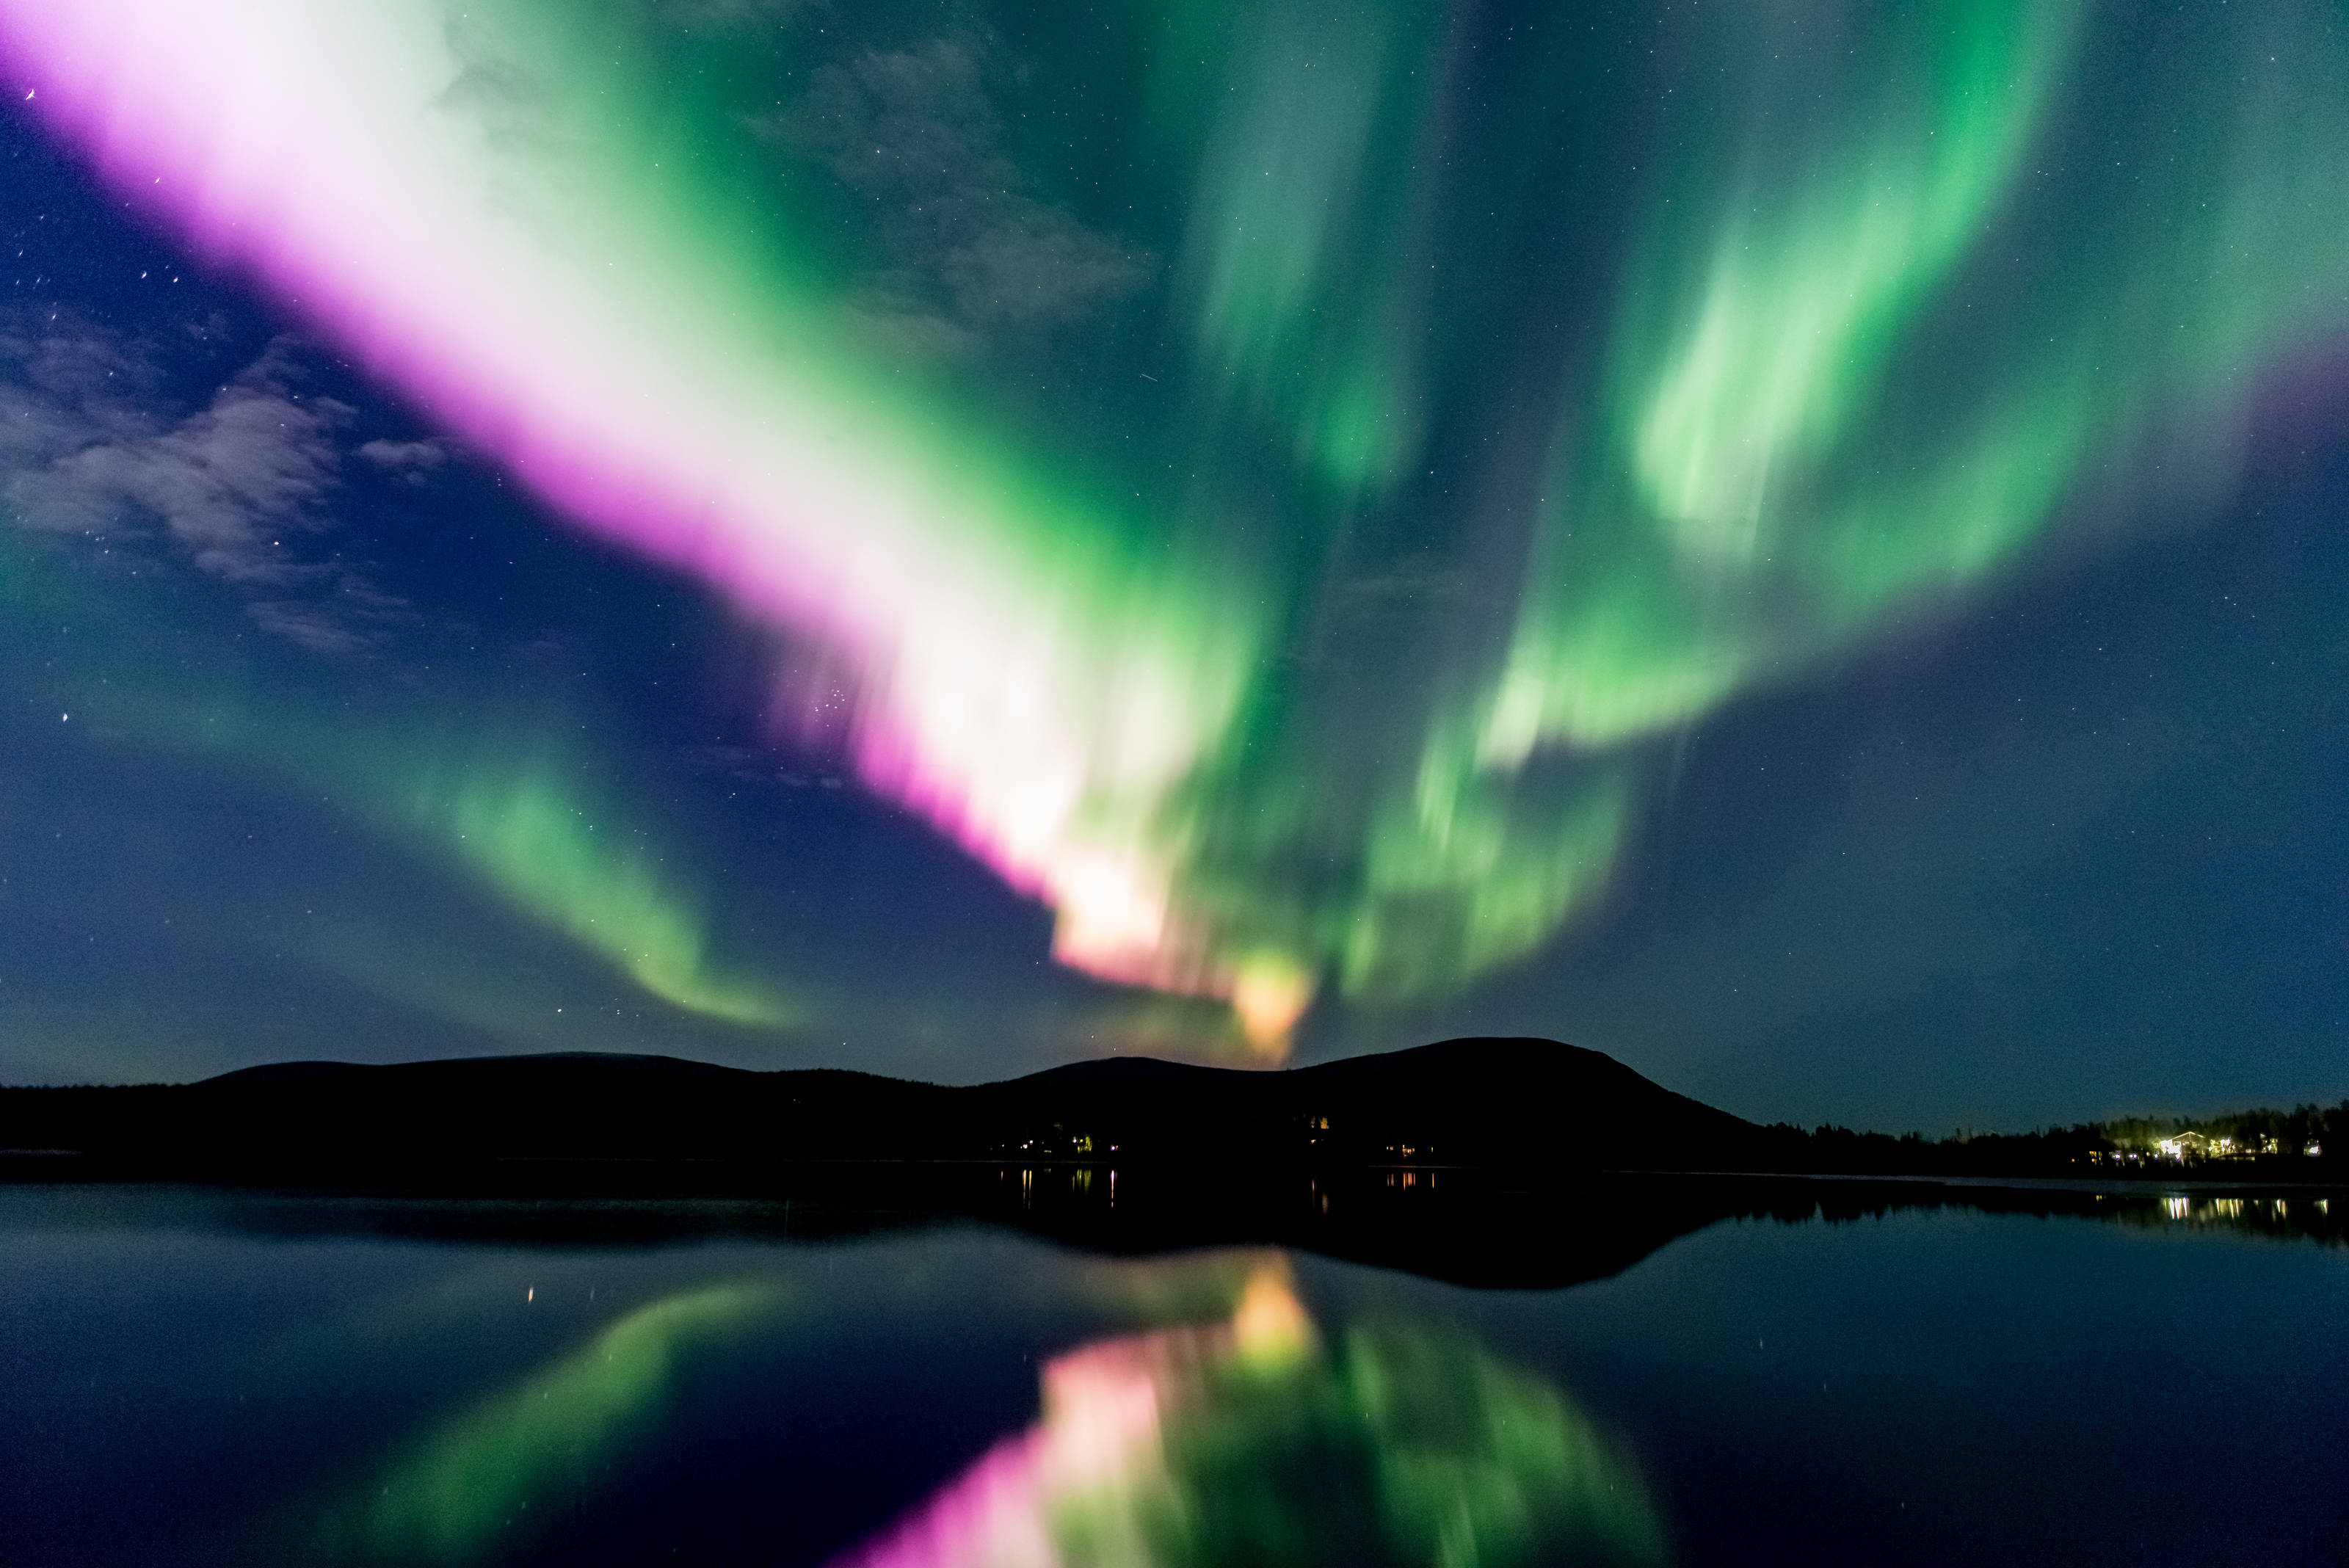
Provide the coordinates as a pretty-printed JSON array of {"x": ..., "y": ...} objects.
[{"x": 1248, "y": 1439}]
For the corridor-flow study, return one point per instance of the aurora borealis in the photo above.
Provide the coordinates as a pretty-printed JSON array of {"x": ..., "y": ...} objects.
[{"x": 1724, "y": 535}]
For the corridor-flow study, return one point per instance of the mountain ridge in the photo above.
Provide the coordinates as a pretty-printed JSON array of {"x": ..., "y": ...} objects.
[{"x": 1482, "y": 1102}]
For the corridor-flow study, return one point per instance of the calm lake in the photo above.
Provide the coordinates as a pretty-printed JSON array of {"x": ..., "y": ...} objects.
[{"x": 194, "y": 1376}]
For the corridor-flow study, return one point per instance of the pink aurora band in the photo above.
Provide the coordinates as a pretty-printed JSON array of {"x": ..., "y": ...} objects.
[
  {"x": 1773, "y": 463},
  {"x": 545, "y": 298}
]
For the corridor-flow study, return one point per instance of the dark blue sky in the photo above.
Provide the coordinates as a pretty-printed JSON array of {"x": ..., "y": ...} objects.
[{"x": 329, "y": 731}]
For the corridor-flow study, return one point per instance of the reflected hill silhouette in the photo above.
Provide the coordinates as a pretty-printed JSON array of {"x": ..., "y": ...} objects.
[{"x": 1492, "y": 1240}]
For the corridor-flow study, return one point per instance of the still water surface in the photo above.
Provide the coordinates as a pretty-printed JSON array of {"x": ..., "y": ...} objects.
[{"x": 196, "y": 1377}]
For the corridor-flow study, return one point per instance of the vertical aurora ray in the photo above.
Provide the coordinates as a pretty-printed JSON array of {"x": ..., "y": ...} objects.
[
  {"x": 1801, "y": 300},
  {"x": 1301, "y": 299},
  {"x": 1477, "y": 405},
  {"x": 1781, "y": 272},
  {"x": 1873, "y": 385}
]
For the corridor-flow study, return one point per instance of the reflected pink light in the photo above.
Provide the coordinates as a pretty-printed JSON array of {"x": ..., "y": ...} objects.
[
  {"x": 1098, "y": 1446},
  {"x": 1100, "y": 1429},
  {"x": 991, "y": 1516}
]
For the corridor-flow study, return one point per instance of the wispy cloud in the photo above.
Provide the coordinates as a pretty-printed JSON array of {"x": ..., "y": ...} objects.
[
  {"x": 412, "y": 461},
  {"x": 240, "y": 486},
  {"x": 720, "y": 15},
  {"x": 977, "y": 251}
]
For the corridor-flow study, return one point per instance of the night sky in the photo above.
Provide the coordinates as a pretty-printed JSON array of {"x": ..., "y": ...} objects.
[{"x": 1797, "y": 544}]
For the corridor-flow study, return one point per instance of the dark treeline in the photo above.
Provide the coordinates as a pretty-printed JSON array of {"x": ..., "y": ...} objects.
[
  {"x": 2253, "y": 1132},
  {"x": 2302, "y": 1143}
]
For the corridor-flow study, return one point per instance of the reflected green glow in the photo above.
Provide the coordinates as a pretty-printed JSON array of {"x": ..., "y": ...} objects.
[
  {"x": 1398, "y": 1446},
  {"x": 1253, "y": 1442},
  {"x": 461, "y": 1491}
]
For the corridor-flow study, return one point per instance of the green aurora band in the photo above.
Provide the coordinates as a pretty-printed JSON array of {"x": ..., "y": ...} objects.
[
  {"x": 509, "y": 797},
  {"x": 1277, "y": 477},
  {"x": 530, "y": 835}
]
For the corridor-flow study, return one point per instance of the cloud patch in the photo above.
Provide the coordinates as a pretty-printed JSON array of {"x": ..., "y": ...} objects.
[
  {"x": 237, "y": 487},
  {"x": 409, "y": 461},
  {"x": 720, "y": 15},
  {"x": 976, "y": 252}
]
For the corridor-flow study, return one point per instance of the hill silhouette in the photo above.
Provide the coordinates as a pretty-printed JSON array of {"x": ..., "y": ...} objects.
[
  {"x": 1511, "y": 1104},
  {"x": 1515, "y": 1162}
]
